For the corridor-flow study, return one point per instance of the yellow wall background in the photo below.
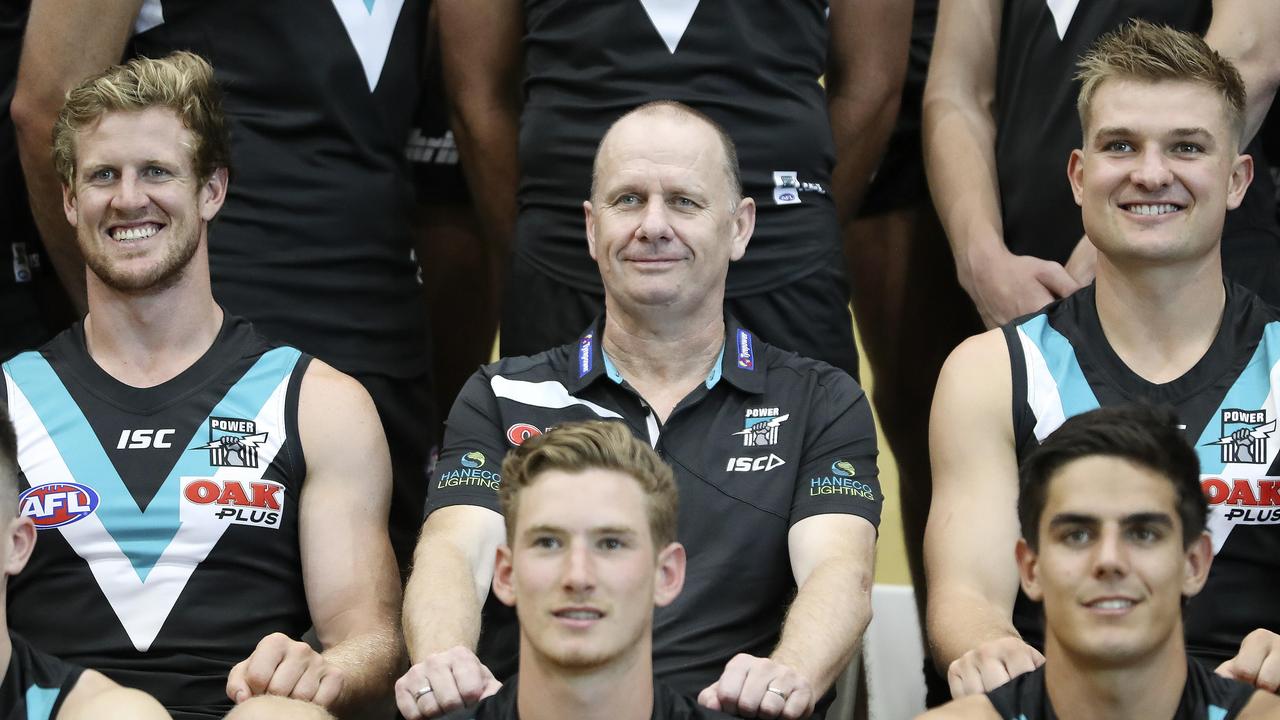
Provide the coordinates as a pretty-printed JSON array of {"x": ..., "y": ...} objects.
[{"x": 891, "y": 554}]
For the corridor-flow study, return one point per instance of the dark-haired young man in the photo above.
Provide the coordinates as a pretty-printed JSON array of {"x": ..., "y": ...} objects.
[
  {"x": 1160, "y": 165},
  {"x": 1113, "y": 541}
]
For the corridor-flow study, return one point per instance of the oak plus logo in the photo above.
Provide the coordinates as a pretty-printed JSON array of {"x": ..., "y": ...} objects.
[{"x": 255, "y": 502}]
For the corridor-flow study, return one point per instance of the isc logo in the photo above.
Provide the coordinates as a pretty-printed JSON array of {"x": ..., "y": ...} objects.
[
  {"x": 747, "y": 464},
  {"x": 57, "y": 504},
  {"x": 142, "y": 439}
]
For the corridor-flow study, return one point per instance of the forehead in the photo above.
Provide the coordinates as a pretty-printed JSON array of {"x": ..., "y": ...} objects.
[
  {"x": 581, "y": 500},
  {"x": 664, "y": 145},
  {"x": 1158, "y": 106},
  {"x": 1108, "y": 487},
  {"x": 154, "y": 133}
]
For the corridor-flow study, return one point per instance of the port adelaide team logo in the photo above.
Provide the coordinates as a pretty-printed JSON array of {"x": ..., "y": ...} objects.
[
  {"x": 233, "y": 442},
  {"x": 1244, "y": 436},
  {"x": 761, "y": 427}
]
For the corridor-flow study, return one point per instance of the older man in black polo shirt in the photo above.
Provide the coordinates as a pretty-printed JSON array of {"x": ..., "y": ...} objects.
[{"x": 774, "y": 454}]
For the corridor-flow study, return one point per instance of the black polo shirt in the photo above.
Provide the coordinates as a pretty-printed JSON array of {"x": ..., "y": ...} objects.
[{"x": 769, "y": 439}]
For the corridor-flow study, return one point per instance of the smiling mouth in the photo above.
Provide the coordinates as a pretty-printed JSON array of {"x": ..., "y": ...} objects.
[
  {"x": 133, "y": 233},
  {"x": 1150, "y": 209},
  {"x": 1111, "y": 605}
]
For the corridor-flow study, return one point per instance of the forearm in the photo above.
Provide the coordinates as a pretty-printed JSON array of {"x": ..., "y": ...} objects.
[
  {"x": 1244, "y": 32},
  {"x": 826, "y": 621},
  {"x": 486, "y": 132},
  {"x": 862, "y": 127},
  {"x": 961, "y": 620},
  {"x": 370, "y": 661},
  {"x": 33, "y": 120},
  {"x": 442, "y": 601}
]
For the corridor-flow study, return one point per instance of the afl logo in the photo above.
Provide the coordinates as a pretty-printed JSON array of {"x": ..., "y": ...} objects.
[
  {"x": 518, "y": 433},
  {"x": 473, "y": 459},
  {"x": 57, "y": 504}
]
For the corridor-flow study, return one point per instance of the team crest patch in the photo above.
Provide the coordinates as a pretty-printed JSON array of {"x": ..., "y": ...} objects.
[
  {"x": 233, "y": 442},
  {"x": 761, "y": 427},
  {"x": 57, "y": 504},
  {"x": 1244, "y": 436},
  {"x": 254, "y": 502}
]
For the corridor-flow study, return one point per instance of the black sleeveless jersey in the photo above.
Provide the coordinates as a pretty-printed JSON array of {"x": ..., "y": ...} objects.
[
  {"x": 313, "y": 243},
  {"x": 35, "y": 684},
  {"x": 1037, "y": 126},
  {"x": 1205, "y": 697},
  {"x": 752, "y": 65},
  {"x": 667, "y": 705},
  {"x": 1063, "y": 366},
  {"x": 167, "y": 516}
]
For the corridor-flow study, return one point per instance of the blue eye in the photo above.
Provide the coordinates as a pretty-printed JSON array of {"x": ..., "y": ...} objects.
[{"x": 1118, "y": 146}]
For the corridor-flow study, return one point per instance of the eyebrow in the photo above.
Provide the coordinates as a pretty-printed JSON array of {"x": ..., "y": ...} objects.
[
  {"x": 1112, "y": 132},
  {"x": 1142, "y": 518},
  {"x": 557, "y": 530}
]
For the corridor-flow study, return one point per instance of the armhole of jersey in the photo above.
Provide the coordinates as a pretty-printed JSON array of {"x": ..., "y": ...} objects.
[
  {"x": 1023, "y": 426},
  {"x": 294, "y": 441},
  {"x": 68, "y": 686}
]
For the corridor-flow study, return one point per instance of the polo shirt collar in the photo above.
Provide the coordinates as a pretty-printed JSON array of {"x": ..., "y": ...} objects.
[{"x": 739, "y": 363}]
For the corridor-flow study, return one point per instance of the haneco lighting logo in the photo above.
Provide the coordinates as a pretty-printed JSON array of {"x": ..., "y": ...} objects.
[
  {"x": 843, "y": 468},
  {"x": 473, "y": 460},
  {"x": 470, "y": 474},
  {"x": 233, "y": 442},
  {"x": 1244, "y": 436}
]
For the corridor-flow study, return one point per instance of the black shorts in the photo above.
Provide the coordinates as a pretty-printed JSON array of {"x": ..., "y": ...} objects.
[{"x": 810, "y": 315}]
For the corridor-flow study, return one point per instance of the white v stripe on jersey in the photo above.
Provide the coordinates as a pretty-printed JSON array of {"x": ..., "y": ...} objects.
[
  {"x": 142, "y": 606},
  {"x": 370, "y": 26},
  {"x": 1063, "y": 11},
  {"x": 547, "y": 394},
  {"x": 670, "y": 18},
  {"x": 150, "y": 15},
  {"x": 1042, "y": 390}
]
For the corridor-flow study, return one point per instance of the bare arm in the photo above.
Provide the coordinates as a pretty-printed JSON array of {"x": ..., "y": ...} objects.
[
  {"x": 866, "y": 65},
  {"x": 94, "y": 697},
  {"x": 452, "y": 570},
  {"x": 833, "y": 561},
  {"x": 959, "y": 150},
  {"x": 66, "y": 40},
  {"x": 1245, "y": 32},
  {"x": 973, "y": 524},
  {"x": 480, "y": 53},
  {"x": 348, "y": 570}
]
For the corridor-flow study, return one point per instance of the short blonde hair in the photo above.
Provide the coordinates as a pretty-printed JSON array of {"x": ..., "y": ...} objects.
[
  {"x": 578, "y": 446},
  {"x": 182, "y": 82},
  {"x": 1144, "y": 51}
]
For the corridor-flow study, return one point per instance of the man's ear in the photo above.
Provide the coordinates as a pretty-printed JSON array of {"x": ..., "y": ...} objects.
[
  {"x": 668, "y": 578},
  {"x": 21, "y": 536},
  {"x": 1075, "y": 175},
  {"x": 1198, "y": 558},
  {"x": 1028, "y": 570},
  {"x": 503, "y": 587},
  {"x": 69, "y": 205},
  {"x": 1238, "y": 183},
  {"x": 744, "y": 224},
  {"x": 213, "y": 193},
  {"x": 588, "y": 215}
]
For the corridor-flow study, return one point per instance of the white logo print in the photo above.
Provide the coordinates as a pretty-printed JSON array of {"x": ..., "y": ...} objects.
[
  {"x": 671, "y": 18},
  {"x": 370, "y": 23}
]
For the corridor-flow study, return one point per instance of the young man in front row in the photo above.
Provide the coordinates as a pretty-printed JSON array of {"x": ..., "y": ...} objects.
[
  {"x": 1113, "y": 540},
  {"x": 590, "y": 514},
  {"x": 1158, "y": 170}
]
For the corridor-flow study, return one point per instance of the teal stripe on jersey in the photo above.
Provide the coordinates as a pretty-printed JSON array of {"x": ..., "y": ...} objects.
[
  {"x": 40, "y": 702},
  {"x": 1248, "y": 393},
  {"x": 141, "y": 534},
  {"x": 1060, "y": 358},
  {"x": 1217, "y": 713}
]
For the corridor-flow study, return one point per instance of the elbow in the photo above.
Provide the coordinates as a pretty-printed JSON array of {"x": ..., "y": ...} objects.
[{"x": 33, "y": 119}]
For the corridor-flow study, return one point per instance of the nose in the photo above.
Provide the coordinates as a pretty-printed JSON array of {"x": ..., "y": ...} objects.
[
  {"x": 1111, "y": 557},
  {"x": 579, "y": 570},
  {"x": 1152, "y": 170},
  {"x": 655, "y": 223},
  {"x": 130, "y": 194}
]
